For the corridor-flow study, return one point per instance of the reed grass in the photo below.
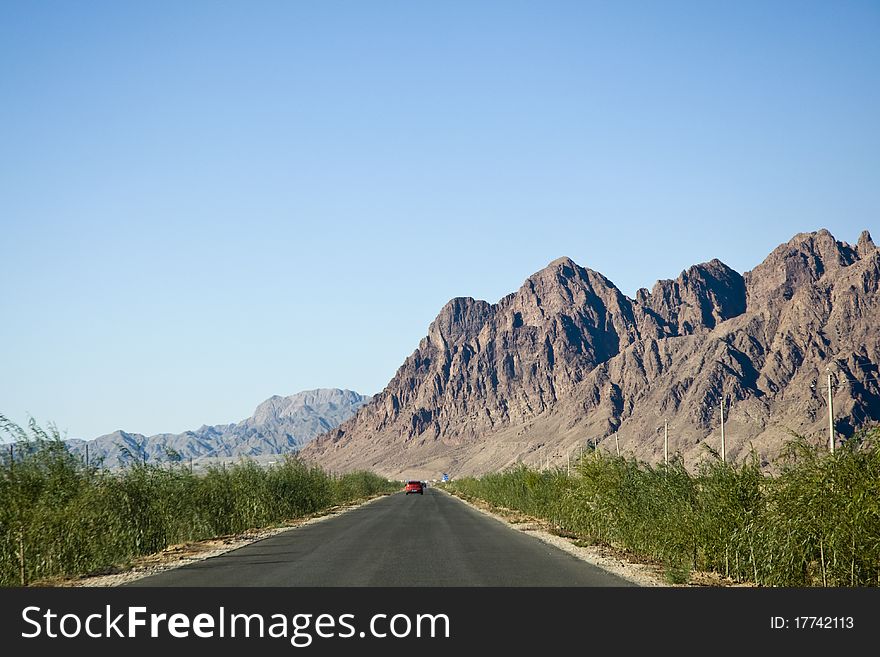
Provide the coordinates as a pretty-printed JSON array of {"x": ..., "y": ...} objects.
[
  {"x": 59, "y": 518},
  {"x": 816, "y": 523}
]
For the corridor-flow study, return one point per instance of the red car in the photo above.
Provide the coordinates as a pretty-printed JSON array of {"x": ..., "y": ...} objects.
[{"x": 414, "y": 487}]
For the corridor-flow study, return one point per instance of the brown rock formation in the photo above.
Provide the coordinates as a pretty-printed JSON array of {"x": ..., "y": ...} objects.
[{"x": 568, "y": 359}]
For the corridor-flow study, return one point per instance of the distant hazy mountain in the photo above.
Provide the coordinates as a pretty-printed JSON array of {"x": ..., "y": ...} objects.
[{"x": 278, "y": 425}]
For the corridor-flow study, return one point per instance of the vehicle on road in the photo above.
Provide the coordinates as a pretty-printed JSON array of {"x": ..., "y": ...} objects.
[{"x": 414, "y": 487}]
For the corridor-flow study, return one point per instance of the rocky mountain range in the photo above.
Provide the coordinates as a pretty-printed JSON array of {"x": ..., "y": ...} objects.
[
  {"x": 279, "y": 425},
  {"x": 568, "y": 362}
]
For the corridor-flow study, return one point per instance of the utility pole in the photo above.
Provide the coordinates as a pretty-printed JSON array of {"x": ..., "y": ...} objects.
[
  {"x": 830, "y": 415},
  {"x": 665, "y": 443},
  {"x": 723, "y": 455}
]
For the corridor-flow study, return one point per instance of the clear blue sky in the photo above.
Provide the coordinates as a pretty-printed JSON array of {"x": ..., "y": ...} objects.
[{"x": 206, "y": 203}]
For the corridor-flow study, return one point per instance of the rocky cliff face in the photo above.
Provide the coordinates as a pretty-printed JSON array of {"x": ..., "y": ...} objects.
[
  {"x": 701, "y": 297},
  {"x": 568, "y": 358},
  {"x": 278, "y": 425}
]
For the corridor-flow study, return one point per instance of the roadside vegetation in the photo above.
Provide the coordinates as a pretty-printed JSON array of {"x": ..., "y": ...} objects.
[
  {"x": 816, "y": 523},
  {"x": 59, "y": 518}
]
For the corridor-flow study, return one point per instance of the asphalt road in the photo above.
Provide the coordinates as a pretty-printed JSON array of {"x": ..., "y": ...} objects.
[{"x": 400, "y": 540}]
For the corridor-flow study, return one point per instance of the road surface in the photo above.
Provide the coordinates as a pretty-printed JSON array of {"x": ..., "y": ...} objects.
[{"x": 400, "y": 540}]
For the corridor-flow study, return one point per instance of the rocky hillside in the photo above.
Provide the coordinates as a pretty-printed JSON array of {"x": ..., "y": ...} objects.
[
  {"x": 278, "y": 425},
  {"x": 569, "y": 359}
]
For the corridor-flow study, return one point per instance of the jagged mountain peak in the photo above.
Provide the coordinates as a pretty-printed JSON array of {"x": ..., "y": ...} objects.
[
  {"x": 562, "y": 261},
  {"x": 562, "y": 288},
  {"x": 700, "y": 298},
  {"x": 564, "y": 271},
  {"x": 865, "y": 244},
  {"x": 800, "y": 262}
]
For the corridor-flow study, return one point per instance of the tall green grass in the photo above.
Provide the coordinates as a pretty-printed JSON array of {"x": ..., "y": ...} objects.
[
  {"x": 816, "y": 523},
  {"x": 69, "y": 519}
]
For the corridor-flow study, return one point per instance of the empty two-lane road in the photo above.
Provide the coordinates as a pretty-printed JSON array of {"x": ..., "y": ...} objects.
[{"x": 400, "y": 540}]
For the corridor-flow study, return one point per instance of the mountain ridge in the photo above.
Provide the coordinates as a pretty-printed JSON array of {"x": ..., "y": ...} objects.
[
  {"x": 278, "y": 425},
  {"x": 568, "y": 358}
]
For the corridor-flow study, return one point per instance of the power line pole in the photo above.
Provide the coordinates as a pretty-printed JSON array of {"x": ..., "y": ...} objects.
[
  {"x": 723, "y": 455},
  {"x": 830, "y": 415},
  {"x": 665, "y": 443}
]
